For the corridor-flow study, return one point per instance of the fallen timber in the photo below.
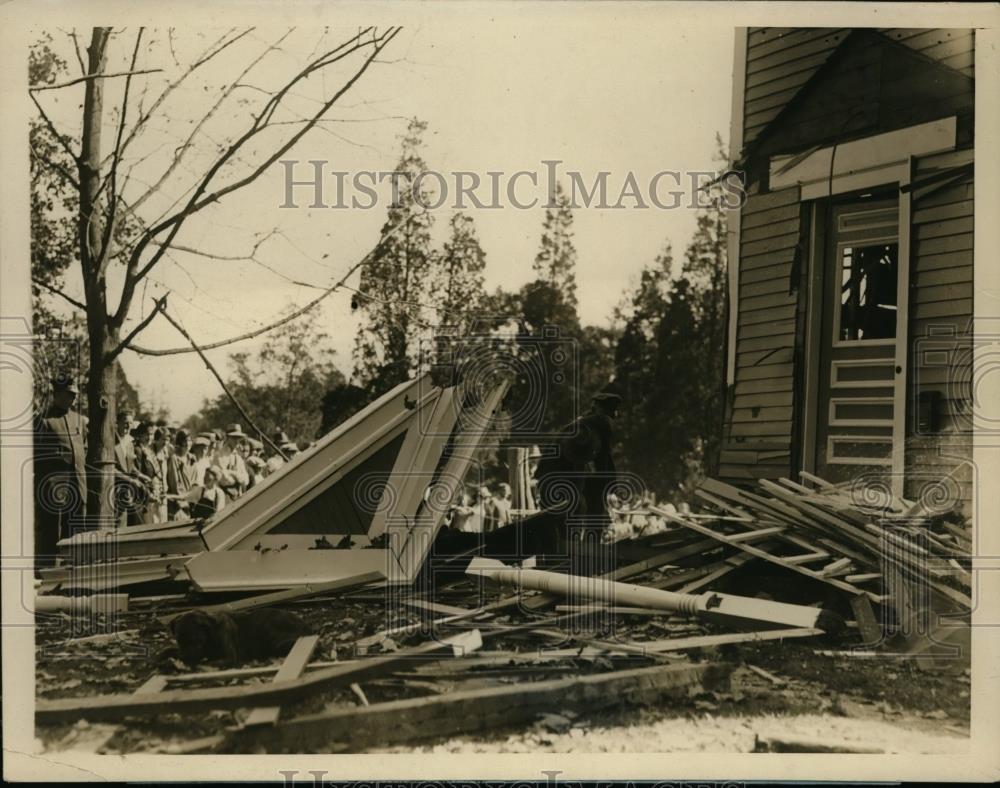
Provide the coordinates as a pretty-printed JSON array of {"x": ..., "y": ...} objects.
[
  {"x": 110, "y": 707},
  {"x": 784, "y": 530},
  {"x": 475, "y": 710},
  {"x": 725, "y": 608}
]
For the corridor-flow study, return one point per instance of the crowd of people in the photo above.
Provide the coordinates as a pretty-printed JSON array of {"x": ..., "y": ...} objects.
[
  {"x": 479, "y": 511},
  {"x": 163, "y": 472}
]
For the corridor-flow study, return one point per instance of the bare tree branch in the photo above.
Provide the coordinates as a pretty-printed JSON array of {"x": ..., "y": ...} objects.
[
  {"x": 161, "y": 304},
  {"x": 288, "y": 318},
  {"x": 112, "y": 179},
  {"x": 228, "y": 258},
  {"x": 58, "y": 292},
  {"x": 179, "y": 153},
  {"x": 198, "y": 201},
  {"x": 52, "y": 129},
  {"x": 48, "y": 161},
  {"x": 225, "y": 388},
  {"x": 219, "y": 45},
  {"x": 76, "y": 48},
  {"x": 86, "y": 77}
]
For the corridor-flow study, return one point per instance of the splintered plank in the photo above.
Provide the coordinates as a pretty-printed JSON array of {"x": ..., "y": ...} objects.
[
  {"x": 774, "y": 559},
  {"x": 728, "y": 566},
  {"x": 110, "y": 707},
  {"x": 708, "y": 641},
  {"x": 291, "y": 668},
  {"x": 277, "y": 597},
  {"x": 464, "y": 712}
]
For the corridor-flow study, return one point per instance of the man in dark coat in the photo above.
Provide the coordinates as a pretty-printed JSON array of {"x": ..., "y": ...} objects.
[
  {"x": 577, "y": 477},
  {"x": 59, "y": 467}
]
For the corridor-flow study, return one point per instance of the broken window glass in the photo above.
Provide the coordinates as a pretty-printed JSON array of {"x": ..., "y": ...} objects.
[{"x": 868, "y": 291}]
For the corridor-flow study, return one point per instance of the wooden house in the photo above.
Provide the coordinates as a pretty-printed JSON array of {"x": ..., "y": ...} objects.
[{"x": 851, "y": 259}]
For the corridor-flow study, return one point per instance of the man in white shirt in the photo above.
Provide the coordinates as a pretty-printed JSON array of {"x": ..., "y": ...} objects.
[
  {"x": 234, "y": 471},
  {"x": 199, "y": 449}
]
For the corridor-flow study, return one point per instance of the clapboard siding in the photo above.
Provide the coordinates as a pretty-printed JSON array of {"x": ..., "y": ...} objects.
[
  {"x": 879, "y": 82},
  {"x": 762, "y": 394},
  {"x": 781, "y": 60},
  {"x": 942, "y": 297}
]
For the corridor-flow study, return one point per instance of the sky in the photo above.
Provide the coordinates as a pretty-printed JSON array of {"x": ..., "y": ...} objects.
[{"x": 648, "y": 94}]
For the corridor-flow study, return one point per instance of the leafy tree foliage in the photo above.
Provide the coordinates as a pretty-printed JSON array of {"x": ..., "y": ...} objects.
[
  {"x": 395, "y": 283},
  {"x": 281, "y": 386}
]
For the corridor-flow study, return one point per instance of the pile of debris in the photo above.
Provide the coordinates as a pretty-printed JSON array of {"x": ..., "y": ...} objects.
[{"x": 638, "y": 623}]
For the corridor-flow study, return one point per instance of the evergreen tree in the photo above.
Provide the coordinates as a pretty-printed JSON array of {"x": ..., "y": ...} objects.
[
  {"x": 555, "y": 262},
  {"x": 705, "y": 267},
  {"x": 458, "y": 282},
  {"x": 395, "y": 281},
  {"x": 670, "y": 362},
  {"x": 642, "y": 424}
]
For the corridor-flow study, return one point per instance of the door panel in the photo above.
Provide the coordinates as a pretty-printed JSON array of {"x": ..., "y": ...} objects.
[{"x": 856, "y": 388}]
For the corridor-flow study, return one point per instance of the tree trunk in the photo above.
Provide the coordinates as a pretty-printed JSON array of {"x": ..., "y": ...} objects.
[
  {"x": 103, "y": 337},
  {"x": 101, "y": 396}
]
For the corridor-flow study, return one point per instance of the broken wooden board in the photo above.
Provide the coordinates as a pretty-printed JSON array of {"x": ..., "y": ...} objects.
[
  {"x": 770, "y": 557},
  {"x": 118, "y": 574},
  {"x": 256, "y": 570},
  {"x": 176, "y": 538},
  {"x": 710, "y": 641},
  {"x": 291, "y": 668},
  {"x": 289, "y": 595},
  {"x": 390, "y": 473},
  {"x": 483, "y": 709},
  {"x": 113, "y": 707},
  {"x": 723, "y": 608}
]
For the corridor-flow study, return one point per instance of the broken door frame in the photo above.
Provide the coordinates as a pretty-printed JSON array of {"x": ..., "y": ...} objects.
[{"x": 871, "y": 162}]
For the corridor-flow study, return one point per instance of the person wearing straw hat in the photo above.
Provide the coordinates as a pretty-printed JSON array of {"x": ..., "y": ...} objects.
[
  {"x": 234, "y": 478},
  {"x": 60, "y": 470},
  {"x": 274, "y": 460}
]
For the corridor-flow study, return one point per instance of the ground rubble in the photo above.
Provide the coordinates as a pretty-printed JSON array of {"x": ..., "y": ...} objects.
[{"x": 532, "y": 673}]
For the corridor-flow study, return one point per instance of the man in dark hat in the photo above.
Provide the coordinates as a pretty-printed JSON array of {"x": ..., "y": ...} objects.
[
  {"x": 577, "y": 477},
  {"x": 59, "y": 466}
]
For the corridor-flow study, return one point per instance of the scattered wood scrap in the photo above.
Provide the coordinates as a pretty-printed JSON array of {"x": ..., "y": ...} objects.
[{"x": 421, "y": 671}]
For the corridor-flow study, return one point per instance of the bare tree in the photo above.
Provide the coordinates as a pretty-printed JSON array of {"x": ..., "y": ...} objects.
[{"x": 113, "y": 230}]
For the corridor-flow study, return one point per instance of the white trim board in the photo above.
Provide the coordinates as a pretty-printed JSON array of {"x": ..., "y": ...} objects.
[
  {"x": 864, "y": 163},
  {"x": 733, "y": 216}
]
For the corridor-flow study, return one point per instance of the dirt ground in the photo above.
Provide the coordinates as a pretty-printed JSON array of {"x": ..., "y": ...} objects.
[{"x": 779, "y": 692}]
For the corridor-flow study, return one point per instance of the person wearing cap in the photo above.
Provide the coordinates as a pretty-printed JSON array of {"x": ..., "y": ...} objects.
[
  {"x": 234, "y": 478},
  {"x": 576, "y": 478},
  {"x": 60, "y": 470}
]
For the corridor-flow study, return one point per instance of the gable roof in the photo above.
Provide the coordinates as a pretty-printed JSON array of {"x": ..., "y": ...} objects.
[{"x": 869, "y": 84}]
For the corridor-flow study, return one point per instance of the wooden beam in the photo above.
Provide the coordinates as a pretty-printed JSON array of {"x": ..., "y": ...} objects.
[
  {"x": 769, "y": 557},
  {"x": 277, "y": 597},
  {"x": 465, "y": 712},
  {"x": 110, "y": 707},
  {"x": 290, "y": 669},
  {"x": 708, "y": 641},
  {"x": 118, "y": 706}
]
